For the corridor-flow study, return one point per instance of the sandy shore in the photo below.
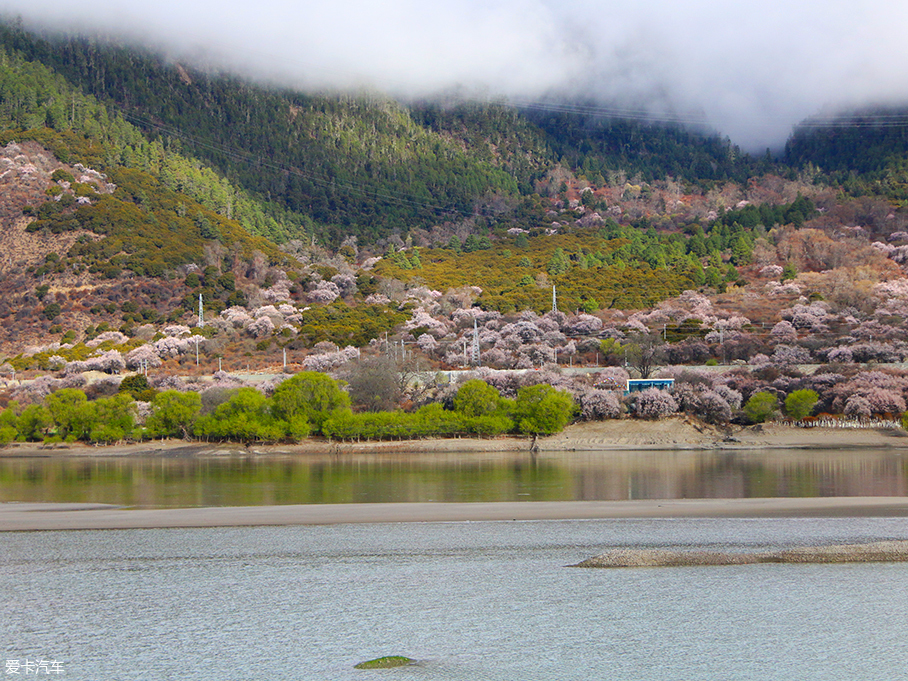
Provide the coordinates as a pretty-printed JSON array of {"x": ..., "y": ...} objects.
[{"x": 24, "y": 516}]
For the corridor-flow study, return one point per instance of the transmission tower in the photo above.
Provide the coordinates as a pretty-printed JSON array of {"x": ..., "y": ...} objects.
[{"x": 475, "y": 343}]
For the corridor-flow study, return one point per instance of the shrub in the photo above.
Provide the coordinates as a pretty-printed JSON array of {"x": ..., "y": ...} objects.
[
  {"x": 599, "y": 404},
  {"x": 858, "y": 406},
  {"x": 173, "y": 413},
  {"x": 476, "y": 398},
  {"x": 34, "y": 421},
  {"x": 429, "y": 421},
  {"x": 7, "y": 435},
  {"x": 760, "y": 407},
  {"x": 136, "y": 385},
  {"x": 488, "y": 425},
  {"x": 800, "y": 403},
  {"x": 542, "y": 410},
  {"x": 311, "y": 395},
  {"x": 114, "y": 418},
  {"x": 713, "y": 408},
  {"x": 373, "y": 383},
  {"x": 61, "y": 175},
  {"x": 654, "y": 404},
  {"x": 71, "y": 413}
]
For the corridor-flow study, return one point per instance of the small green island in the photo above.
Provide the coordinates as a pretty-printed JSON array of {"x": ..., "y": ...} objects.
[{"x": 385, "y": 662}]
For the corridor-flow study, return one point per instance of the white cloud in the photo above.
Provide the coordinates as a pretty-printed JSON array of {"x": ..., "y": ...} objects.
[{"x": 752, "y": 69}]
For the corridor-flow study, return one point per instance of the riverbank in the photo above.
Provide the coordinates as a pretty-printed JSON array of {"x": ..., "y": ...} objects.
[
  {"x": 31, "y": 517},
  {"x": 626, "y": 435}
]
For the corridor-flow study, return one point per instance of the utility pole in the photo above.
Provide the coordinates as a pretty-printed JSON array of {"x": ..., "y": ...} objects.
[
  {"x": 201, "y": 314},
  {"x": 554, "y": 299}
]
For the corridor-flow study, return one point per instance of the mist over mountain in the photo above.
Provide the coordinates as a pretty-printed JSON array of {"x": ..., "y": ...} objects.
[{"x": 751, "y": 71}]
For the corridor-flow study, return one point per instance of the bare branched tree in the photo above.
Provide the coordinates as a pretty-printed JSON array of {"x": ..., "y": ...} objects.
[{"x": 645, "y": 352}]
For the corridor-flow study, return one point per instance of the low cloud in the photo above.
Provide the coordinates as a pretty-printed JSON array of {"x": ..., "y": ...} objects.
[{"x": 749, "y": 70}]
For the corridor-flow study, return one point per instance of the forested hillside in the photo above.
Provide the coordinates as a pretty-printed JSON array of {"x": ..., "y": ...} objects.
[
  {"x": 356, "y": 165},
  {"x": 599, "y": 146},
  {"x": 865, "y": 152},
  {"x": 362, "y": 164},
  {"x": 349, "y": 233}
]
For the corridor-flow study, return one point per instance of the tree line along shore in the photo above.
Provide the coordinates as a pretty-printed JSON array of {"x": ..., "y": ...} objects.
[{"x": 292, "y": 408}]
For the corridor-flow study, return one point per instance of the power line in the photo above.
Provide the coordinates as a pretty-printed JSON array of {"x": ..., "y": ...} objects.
[
  {"x": 607, "y": 112},
  {"x": 855, "y": 120}
]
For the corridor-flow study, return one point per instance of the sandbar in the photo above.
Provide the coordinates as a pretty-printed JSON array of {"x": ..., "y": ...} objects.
[
  {"x": 42, "y": 516},
  {"x": 872, "y": 552}
]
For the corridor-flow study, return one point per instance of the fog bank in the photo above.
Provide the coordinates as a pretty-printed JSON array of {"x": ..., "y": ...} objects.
[{"x": 750, "y": 70}]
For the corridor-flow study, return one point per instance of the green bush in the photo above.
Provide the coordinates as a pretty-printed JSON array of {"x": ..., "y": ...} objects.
[
  {"x": 7, "y": 435},
  {"x": 542, "y": 410},
  {"x": 137, "y": 386},
  {"x": 800, "y": 403},
  {"x": 247, "y": 416},
  {"x": 483, "y": 410},
  {"x": 114, "y": 418},
  {"x": 71, "y": 413},
  {"x": 34, "y": 423},
  {"x": 309, "y": 395},
  {"x": 488, "y": 425},
  {"x": 429, "y": 421},
  {"x": 60, "y": 175},
  {"x": 173, "y": 413},
  {"x": 760, "y": 407},
  {"x": 476, "y": 398}
]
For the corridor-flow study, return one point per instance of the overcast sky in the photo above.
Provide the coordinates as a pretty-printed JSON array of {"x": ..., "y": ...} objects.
[{"x": 751, "y": 69}]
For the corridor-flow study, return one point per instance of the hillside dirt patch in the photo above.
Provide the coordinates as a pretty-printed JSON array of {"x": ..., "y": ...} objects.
[{"x": 21, "y": 249}]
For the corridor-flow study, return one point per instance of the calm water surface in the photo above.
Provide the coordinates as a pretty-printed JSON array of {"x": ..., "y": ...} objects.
[
  {"x": 592, "y": 476},
  {"x": 480, "y": 601},
  {"x": 473, "y": 601}
]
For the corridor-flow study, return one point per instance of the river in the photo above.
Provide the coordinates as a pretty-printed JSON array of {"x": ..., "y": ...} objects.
[
  {"x": 478, "y": 601},
  {"x": 162, "y": 482}
]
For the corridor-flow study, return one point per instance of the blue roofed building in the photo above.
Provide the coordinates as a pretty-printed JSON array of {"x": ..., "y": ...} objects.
[{"x": 637, "y": 384}]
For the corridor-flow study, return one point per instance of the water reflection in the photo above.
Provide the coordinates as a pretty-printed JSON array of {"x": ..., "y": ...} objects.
[{"x": 591, "y": 476}]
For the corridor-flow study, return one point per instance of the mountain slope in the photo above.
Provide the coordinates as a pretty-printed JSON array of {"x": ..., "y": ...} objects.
[{"x": 359, "y": 165}]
